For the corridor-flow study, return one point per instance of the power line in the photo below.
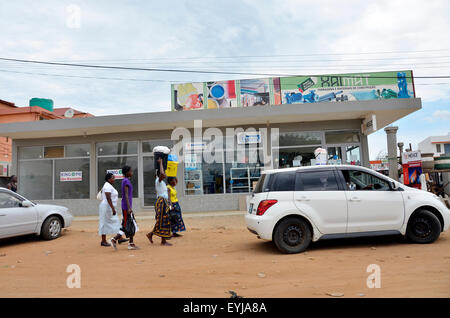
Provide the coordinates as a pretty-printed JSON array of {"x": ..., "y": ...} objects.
[
  {"x": 143, "y": 80},
  {"x": 175, "y": 61},
  {"x": 264, "y": 56},
  {"x": 178, "y": 70}
]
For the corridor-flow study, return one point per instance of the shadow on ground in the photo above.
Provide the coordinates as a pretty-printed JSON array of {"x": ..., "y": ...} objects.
[{"x": 266, "y": 247}]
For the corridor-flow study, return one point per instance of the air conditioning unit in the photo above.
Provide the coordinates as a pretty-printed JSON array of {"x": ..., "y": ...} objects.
[{"x": 4, "y": 170}]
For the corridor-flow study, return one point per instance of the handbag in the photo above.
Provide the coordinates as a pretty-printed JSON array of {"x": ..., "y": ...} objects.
[
  {"x": 99, "y": 194},
  {"x": 130, "y": 229}
]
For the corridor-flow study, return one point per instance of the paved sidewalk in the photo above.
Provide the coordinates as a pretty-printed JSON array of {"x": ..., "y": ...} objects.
[{"x": 146, "y": 215}]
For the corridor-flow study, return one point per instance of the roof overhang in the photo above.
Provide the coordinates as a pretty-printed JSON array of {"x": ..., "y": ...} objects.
[{"x": 386, "y": 111}]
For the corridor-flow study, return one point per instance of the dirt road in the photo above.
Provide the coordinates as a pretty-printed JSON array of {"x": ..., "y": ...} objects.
[{"x": 217, "y": 254}]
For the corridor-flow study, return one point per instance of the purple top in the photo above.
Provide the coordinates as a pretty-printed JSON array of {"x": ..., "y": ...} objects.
[{"x": 126, "y": 182}]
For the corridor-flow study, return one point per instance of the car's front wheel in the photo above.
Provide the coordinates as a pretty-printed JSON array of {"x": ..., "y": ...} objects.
[
  {"x": 292, "y": 235},
  {"x": 51, "y": 228},
  {"x": 423, "y": 227}
]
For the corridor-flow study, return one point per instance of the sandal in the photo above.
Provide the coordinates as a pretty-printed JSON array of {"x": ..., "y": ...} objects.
[
  {"x": 132, "y": 246},
  {"x": 105, "y": 244}
]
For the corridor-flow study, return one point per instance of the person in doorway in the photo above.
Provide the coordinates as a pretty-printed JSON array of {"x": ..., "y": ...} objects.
[
  {"x": 176, "y": 220},
  {"x": 162, "y": 208},
  {"x": 127, "y": 209},
  {"x": 12, "y": 185},
  {"x": 108, "y": 222}
]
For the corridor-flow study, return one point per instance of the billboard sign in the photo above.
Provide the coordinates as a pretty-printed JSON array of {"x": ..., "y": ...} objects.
[{"x": 293, "y": 90}]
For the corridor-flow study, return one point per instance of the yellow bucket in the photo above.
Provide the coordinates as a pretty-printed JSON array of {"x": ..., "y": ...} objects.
[{"x": 172, "y": 167}]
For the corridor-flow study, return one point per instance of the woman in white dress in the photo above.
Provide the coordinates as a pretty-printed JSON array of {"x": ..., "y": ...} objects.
[{"x": 109, "y": 222}]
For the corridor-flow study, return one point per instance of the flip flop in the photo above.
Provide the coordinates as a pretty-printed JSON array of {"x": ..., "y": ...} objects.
[{"x": 113, "y": 244}]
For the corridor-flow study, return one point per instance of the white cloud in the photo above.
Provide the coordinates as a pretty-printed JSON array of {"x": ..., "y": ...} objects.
[{"x": 442, "y": 114}]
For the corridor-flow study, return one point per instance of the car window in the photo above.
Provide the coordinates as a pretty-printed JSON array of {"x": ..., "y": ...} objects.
[
  {"x": 9, "y": 201},
  {"x": 359, "y": 180},
  {"x": 260, "y": 185},
  {"x": 282, "y": 181},
  {"x": 317, "y": 181}
]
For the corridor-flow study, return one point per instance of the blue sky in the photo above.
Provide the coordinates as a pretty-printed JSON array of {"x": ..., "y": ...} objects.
[{"x": 162, "y": 33}]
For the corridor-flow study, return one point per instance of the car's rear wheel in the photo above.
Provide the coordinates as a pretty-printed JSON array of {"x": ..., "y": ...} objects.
[
  {"x": 51, "y": 228},
  {"x": 423, "y": 227},
  {"x": 292, "y": 235}
]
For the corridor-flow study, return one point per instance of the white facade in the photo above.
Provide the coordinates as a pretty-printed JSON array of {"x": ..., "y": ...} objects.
[{"x": 438, "y": 145}]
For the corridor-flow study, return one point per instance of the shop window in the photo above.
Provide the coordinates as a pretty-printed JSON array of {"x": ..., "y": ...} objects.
[
  {"x": 300, "y": 138},
  {"x": 54, "y": 152},
  {"x": 242, "y": 170},
  {"x": 193, "y": 174},
  {"x": 35, "y": 179},
  {"x": 147, "y": 146},
  {"x": 339, "y": 137},
  {"x": 212, "y": 177},
  {"x": 353, "y": 155},
  {"x": 447, "y": 148},
  {"x": 31, "y": 152},
  {"x": 295, "y": 157},
  {"x": 117, "y": 148},
  {"x": 115, "y": 164},
  {"x": 78, "y": 150},
  {"x": 334, "y": 155},
  {"x": 72, "y": 179}
]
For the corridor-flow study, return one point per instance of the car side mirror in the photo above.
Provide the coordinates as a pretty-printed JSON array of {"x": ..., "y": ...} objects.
[
  {"x": 393, "y": 186},
  {"x": 27, "y": 204}
]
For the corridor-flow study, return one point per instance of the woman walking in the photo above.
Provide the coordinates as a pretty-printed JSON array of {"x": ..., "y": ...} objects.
[
  {"x": 176, "y": 220},
  {"x": 127, "y": 211},
  {"x": 109, "y": 222},
  {"x": 162, "y": 207}
]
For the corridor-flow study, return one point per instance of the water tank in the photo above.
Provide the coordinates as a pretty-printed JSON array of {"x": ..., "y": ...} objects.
[{"x": 42, "y": 102}]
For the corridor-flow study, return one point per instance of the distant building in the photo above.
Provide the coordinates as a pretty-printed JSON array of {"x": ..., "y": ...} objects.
[
  {"x": 438, "y": 145},
  {"x": 10, "y": 113}
]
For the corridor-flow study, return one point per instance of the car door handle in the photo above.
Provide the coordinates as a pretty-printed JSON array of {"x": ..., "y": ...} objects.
[
  {"x": 355, "y": 199},
  {"x": 303, "y": 199}
]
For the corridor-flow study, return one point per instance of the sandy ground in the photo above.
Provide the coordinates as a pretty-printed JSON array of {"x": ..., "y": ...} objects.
[{"x": 217, "y": 254}]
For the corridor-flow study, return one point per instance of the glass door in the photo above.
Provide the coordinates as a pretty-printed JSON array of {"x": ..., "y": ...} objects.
[
  {"x": 344, "y": 154},
  {"x": 149, "y": 180}
]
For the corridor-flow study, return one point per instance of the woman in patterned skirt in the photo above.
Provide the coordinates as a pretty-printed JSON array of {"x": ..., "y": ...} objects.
[{"x": 162, "y": 208}]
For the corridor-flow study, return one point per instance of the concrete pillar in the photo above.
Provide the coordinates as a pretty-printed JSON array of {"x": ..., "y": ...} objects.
[
  {"x": 400, "y": 149},
  {"x": 391, "y": 135}
]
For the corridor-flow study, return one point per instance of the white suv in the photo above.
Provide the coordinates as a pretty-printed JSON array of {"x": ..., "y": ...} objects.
[{"x": 295, "y": 206}]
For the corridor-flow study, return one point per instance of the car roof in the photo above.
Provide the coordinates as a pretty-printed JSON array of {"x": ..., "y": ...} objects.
[{"x": 317, "y": 167}]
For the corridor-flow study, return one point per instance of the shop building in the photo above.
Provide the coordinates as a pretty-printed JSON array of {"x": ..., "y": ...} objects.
[{"x": 65, "y": 161}]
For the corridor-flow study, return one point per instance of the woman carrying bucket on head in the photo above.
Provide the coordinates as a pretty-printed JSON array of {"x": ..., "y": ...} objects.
[{"x": 162, "y": 226}]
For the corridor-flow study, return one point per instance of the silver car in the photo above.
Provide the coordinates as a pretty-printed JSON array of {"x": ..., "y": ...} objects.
[{"x": 19, "y": 216}]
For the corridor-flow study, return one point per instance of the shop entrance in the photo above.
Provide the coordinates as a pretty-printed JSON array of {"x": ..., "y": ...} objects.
[
  {"x": 149, "y": 180},
  {"x": 344, "y": 154}
]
